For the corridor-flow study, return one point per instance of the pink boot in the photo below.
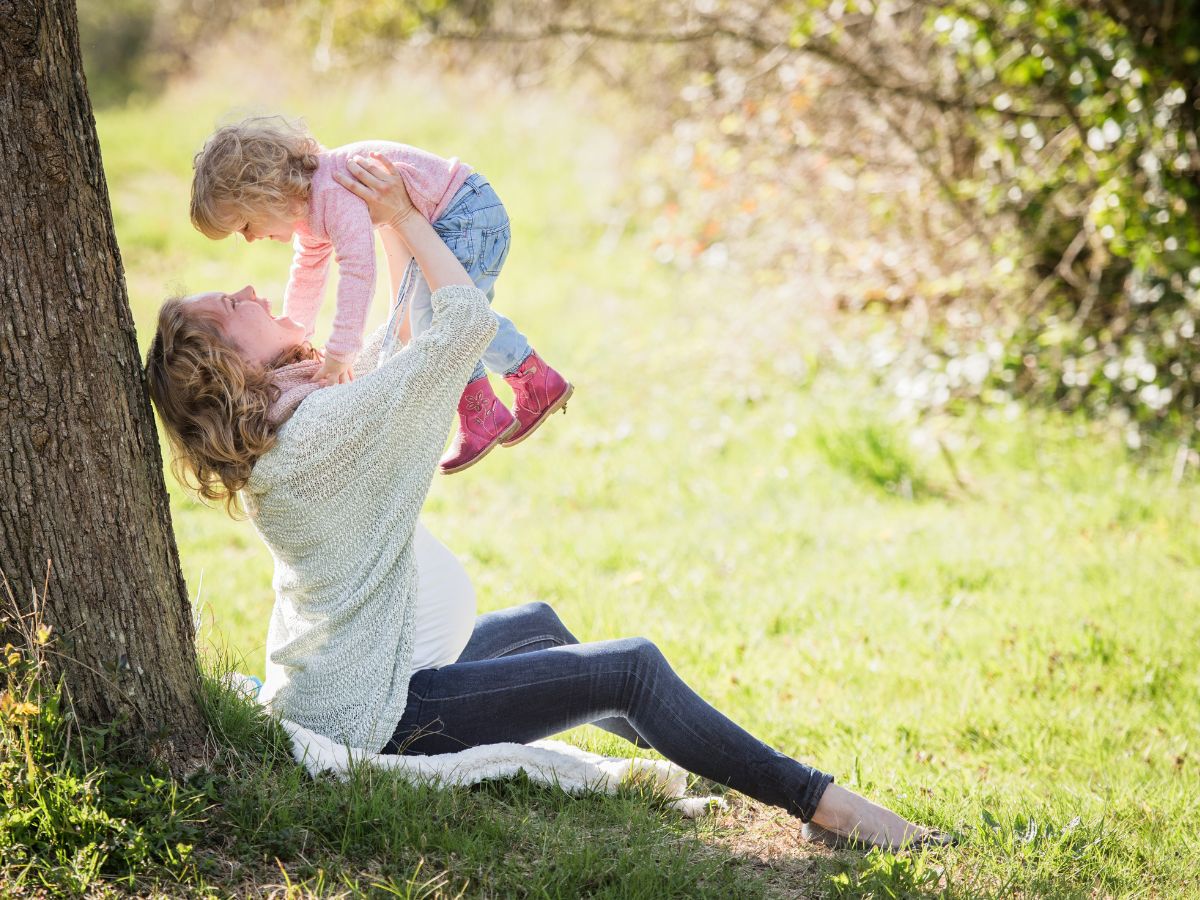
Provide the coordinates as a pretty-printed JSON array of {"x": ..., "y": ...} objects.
[
  {"x": 539, "y": 392},
  {"x": 483, "y": 422}
]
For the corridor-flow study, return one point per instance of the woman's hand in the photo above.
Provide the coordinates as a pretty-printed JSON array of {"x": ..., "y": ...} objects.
[{"x": 378, "y": 183}]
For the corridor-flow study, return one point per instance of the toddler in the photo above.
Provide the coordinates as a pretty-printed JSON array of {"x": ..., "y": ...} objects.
[{"x": 269, "y": 178}]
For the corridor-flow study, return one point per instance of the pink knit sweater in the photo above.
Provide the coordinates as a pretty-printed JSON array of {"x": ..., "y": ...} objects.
[{"x": 338, "y": 225}]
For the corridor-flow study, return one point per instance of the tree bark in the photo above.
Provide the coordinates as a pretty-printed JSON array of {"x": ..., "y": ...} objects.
[{"x": 84, "y": 498}]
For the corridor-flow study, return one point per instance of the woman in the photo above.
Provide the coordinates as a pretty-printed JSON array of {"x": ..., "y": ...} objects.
[{"x": 373, "y": 639}]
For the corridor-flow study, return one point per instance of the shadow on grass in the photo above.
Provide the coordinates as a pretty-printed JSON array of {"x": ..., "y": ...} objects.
[
  {"x": 249, "y": 822},
  {"x": 273, "y": 828}
]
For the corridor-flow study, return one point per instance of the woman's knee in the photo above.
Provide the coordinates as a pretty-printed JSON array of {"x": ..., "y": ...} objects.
[
  {"x": 644, "y": 651},
  {"x": 546, "y": 618}
]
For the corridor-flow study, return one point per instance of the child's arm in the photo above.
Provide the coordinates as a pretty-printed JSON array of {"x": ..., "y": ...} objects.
[
  {"x": 398, "y": 258},
  {"x": 306, "y": 282},
  {"x": 353, "y": 237}
]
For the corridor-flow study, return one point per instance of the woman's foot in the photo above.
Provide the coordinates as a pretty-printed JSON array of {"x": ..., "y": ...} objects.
[
  {"x": 538, "y": 392},
  {"x": 483, "y": 422},
  {"x": 844, "y": 819}
]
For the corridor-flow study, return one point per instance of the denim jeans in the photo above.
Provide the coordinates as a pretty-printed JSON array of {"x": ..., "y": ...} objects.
[
  {"x": 475, "y": 226},
  {"x": 523, "y": 677}
]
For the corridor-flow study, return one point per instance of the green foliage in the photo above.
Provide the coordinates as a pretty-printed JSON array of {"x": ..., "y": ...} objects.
[
  {"x": 131, "y": 48},
  {"x": 1053, "y": 252},
  {"x": 1085, "y": 137}
]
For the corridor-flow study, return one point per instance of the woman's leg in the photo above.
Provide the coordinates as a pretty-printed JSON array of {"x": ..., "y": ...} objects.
[
  {"x": 530, "y": 696},
  {"x": 533, "y": 694},
  {"x": 524, "y": 629}
]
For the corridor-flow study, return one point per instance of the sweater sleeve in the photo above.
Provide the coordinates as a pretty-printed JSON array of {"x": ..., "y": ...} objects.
[
  {"x": 353, "y": 238},
  {"x": 420, "y": 386},
  {"x": 306, "y": 281},
  {"x": 368, "y": 359}
]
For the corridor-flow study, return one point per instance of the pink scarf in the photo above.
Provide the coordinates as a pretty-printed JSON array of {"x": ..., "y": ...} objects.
[{"x": 295, "y": 383}]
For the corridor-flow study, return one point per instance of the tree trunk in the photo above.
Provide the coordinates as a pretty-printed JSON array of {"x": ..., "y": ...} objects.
[{"x": 84, "y": 498}]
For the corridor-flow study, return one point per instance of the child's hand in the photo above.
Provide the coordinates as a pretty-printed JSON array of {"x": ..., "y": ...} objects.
[{"x": 334, "y": 371}]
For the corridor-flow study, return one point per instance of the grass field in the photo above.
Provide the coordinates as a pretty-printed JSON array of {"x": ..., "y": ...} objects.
[{"x": 1009, "y": 651}]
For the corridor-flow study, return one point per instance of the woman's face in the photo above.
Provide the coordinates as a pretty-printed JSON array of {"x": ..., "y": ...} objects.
[{"x": 246, "y": 321}]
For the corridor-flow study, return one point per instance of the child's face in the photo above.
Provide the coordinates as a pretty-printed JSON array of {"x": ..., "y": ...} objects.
[{"x": 277, "y": 228}]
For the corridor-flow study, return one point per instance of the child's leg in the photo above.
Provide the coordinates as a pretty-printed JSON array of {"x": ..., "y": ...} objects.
[
  {"x": 476, "y": 228},
  {"x": 483, "y": 235},
  {"x": 509, "y": 343},
  {"x": 508, "y": 349},
  {"x": 395, "y": 333},
  {"x": 483, "y": 421},
  {"x": 421, "y": 303},
  {"x": 422, "y": 315}
]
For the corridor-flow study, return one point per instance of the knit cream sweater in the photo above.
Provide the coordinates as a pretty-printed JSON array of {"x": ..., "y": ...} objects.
[{"x": 336, "y": 501}]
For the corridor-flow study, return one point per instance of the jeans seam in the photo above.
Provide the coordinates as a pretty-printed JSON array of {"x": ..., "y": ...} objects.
[
  {"x": 525, "y": 642},
  {"x": 500, "y": 690}
]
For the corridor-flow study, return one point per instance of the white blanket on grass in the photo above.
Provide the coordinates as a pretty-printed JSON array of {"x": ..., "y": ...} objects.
[{"x": 549, "y": 762}]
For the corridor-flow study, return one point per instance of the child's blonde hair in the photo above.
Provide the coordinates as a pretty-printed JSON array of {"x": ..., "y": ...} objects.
[{"x": 260, "y": 167}]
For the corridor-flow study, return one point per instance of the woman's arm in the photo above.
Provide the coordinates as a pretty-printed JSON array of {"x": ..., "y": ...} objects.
[{"x": 438, "y": 263}]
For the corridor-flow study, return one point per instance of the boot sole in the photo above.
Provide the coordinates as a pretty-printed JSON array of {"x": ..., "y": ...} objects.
[
  {"x": 560, "y": 403},
  {"x": 486, "y": 450}
]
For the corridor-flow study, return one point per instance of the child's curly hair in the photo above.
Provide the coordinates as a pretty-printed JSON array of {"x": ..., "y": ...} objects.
[
  {"x": 261, "y": 166},
  {"x": 213, "y": 404}
]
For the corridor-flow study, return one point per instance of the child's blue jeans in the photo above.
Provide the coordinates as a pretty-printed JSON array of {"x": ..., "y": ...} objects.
[
  {"x": 475, "y": 226},
  {"x": 523, "y": 676}
]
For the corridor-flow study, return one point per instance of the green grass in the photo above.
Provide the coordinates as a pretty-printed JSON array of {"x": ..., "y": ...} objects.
[{"x": 1005, "y": 648}]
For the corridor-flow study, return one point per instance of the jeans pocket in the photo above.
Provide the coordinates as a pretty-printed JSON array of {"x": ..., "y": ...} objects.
[{"x": 493, "y": 249}]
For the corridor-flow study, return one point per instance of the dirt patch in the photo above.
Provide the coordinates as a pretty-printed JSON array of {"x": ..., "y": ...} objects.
[{"x": 768, "y": 841}]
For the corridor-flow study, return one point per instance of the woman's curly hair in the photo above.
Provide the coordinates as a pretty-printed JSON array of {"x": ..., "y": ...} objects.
[
  {"x": 257, "y": 168},
  {"x": 213, "y": 404}
]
